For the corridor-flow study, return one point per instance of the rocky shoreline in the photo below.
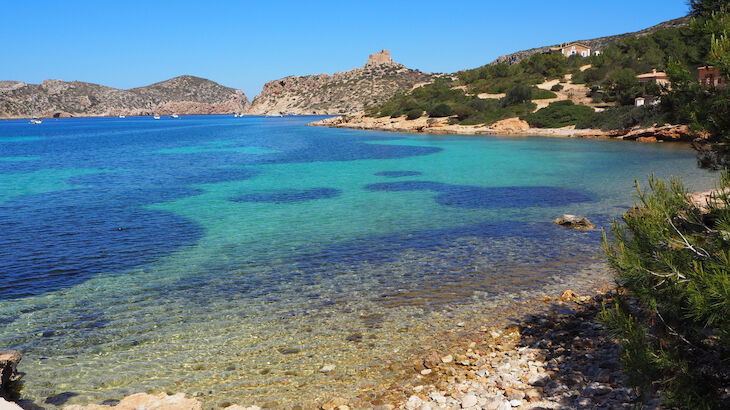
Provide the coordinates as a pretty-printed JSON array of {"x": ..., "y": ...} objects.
[
  {"x": 559, "y": 357},
  {"x": 512, "y": 127}
]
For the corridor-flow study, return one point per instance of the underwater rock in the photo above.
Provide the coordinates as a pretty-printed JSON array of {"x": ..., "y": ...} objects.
[{"x": 147, "y": 401}]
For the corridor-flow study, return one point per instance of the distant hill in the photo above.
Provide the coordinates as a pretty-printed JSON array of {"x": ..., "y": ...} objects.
[
  {"x": 596, "y": 43},
  {"x": 340, "y": 93},
  {"x": 56, "y": 98}
]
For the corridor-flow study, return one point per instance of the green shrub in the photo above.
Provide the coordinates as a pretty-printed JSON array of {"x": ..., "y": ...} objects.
[
  {"x": 672, "y": 261},
  {"x": 559, "y": 114},
  {"x": 414, "y": 113},
  {"x": 540, "y": 94},
  {"x": 557, "y": 87},
  {"x": 440, "y": 110}
]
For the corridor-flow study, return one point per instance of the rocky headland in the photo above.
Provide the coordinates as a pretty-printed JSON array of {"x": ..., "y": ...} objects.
[
  {"x": 180, "y": 95},
  {"x": 340, "y": 93}
]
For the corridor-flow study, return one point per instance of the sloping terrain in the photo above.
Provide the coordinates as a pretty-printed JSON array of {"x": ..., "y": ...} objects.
[
  {"x": 56, "y": 98},
  {"x": 339, "y": 93}
]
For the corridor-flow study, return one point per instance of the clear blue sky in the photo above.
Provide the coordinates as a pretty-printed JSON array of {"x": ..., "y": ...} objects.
[{"x": 243, "y": 44}]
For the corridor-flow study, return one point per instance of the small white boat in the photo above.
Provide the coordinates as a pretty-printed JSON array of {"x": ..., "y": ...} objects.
[
  {"x": 36, "y": 120},
  {"x": 175, "y": 116},
  {"x": 157, "y": 117},
  {"x": 122, "y": 116}
]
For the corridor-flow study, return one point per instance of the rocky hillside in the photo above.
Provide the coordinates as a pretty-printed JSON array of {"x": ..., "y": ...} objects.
[
  {"x": 56, "y": 98},
  {"x": 339, "y": 93},
  {"x": 596, "y": 43}
]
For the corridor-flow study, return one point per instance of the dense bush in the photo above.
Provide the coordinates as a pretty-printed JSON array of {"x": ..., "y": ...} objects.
[
  {"x": 518, "y": 94},
  {"x": 557, "y": 87},
  {"x": 625, "y": 117},
  {"x": 559, "y": 114},
  {"x": 673, "y": 316},
  {"x": 414, "y": 113},
  {"x": 440, "y": 110}
]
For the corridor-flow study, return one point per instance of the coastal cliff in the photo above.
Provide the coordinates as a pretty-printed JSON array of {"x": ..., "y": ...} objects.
[
  {"x": 340, "y": 93},
  {"x": 57, "y": 98}
]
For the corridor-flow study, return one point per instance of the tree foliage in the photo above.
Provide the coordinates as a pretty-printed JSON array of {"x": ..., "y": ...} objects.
[{"x": 672, "y": 260}]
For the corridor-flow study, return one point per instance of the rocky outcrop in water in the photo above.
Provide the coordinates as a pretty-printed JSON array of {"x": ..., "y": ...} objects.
[
  {"x": 340, "y": 93},
  {"x": 574, "y": 222},
  {"x": 56, "y": 98}
]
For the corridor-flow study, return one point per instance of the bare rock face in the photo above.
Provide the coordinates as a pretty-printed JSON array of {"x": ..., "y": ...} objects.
[
  {"x": 57, "y": 99},
  {"x": 510, "y": 125},
  {"x": 340, "y": 93},
  {"x": 9, "y": 360},
  {"x": 146, "y": 401},
  {"x": 574, "y": 222},
  {"x": 663, "y": 133}
]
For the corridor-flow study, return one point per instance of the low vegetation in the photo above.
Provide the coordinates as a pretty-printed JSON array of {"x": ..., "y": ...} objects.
[{"x": 441, "y": 99}]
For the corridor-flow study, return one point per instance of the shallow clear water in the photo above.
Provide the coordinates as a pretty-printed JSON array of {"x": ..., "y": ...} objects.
[{"x": 234, "y": 257}]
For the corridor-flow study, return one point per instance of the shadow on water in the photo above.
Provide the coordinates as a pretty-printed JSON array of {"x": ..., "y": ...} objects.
[
  {"x": 464, "y": 196},
  {"x": 289, "y": 195}
]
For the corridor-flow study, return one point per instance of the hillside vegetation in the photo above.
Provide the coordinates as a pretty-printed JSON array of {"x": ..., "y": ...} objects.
[{"x": 608, "y": 80}]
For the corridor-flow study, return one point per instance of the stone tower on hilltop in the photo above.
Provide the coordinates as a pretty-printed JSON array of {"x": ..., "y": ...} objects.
[{"x": 380, "y": 58}]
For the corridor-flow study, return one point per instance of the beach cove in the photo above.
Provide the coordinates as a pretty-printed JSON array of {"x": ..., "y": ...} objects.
[{"x": 258, "y": 260}]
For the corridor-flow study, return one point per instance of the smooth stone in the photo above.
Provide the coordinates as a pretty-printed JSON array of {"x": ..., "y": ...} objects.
[
  {"x": 8, "y": 405},
  {"x": 447, "y": 359},
  {"x": 432, "y": 360},
  {"x": 469, "y": 400},
  {"x": 327, "y": 368},
  {"x": 539, "y": 380},
  {"x": 335, "y": 403},
  {"x": 149, "y": 401},
  {"x": 413, "y": 403}
]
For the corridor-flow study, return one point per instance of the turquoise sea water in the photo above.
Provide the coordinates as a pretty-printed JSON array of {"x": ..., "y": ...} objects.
[{"x": 232, "y": 258}]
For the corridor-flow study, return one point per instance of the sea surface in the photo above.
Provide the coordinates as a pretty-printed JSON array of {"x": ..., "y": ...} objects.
[{"x": 233, "y": 258}]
